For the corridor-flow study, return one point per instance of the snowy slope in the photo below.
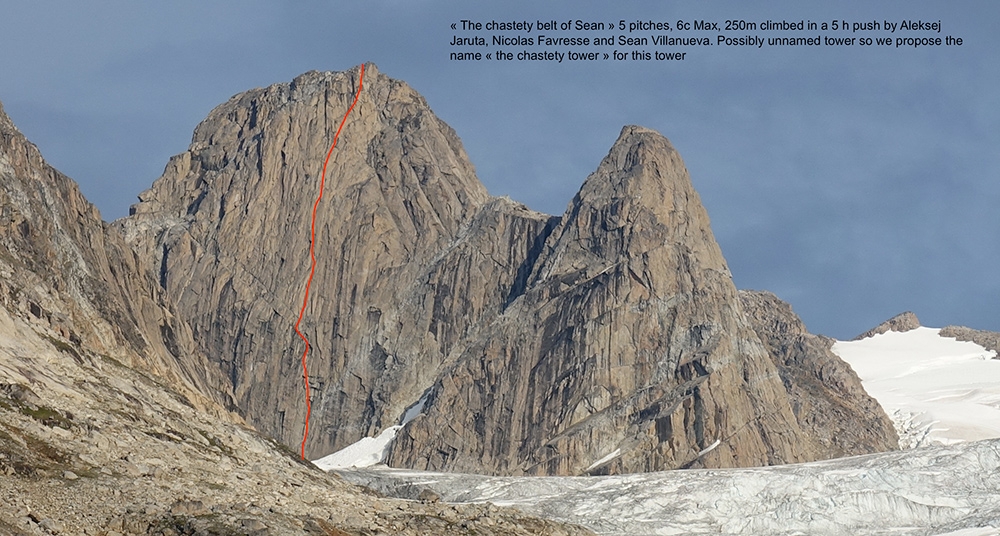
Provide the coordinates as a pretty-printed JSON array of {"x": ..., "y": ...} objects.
[
  {"x": 934, "y": 490},
  {"x": 364, "y": 453},
  {"x": 937, "y": 390}
]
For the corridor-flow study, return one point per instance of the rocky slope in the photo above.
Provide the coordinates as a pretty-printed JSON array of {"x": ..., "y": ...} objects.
[
  {"x": 63, "y": 267},
  {"x": 826, "y": 395},
  {"x": 89, "y": 445},
  {"x": 610, "y": 339},
  {"x": 902, "y": 322},
  {"x": 105, "y": 426},
  {"x": 987, "y": 339}
]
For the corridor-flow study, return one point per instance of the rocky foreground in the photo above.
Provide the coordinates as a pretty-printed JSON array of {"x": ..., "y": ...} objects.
[{"x": 91, "y": 446}]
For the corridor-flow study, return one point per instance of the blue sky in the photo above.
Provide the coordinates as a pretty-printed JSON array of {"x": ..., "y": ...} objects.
[{"x": 854, "y": 182}]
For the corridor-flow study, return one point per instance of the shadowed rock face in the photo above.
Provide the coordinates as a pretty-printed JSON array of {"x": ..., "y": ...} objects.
[
  {"x": 541, "y": 344},
  {"x": 628, "y": 339},
  {"x": 826, "y": 395}
]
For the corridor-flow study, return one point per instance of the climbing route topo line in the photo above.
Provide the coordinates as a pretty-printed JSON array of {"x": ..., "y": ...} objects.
[{"x": 312, "y": 260}]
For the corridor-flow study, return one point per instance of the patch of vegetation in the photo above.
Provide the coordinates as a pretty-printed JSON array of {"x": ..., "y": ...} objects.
[
  {"x": 64, "y": 347},
  {"x": 112, "y": 360},
  {"x": 44, "y": 449},
  {"x": 26, "y": 455},
  {"x": 12, "y": 457},
  {"x": 209, "y": 525},
  {"x": 173, "y": 525},
  {"x": 320, "y": 526},
  {"x": 48, "y": 416},
  {"x": 171, "y": 435},
  {"x": 88, "y": 473},
  {"x": 19, "y": 397}
]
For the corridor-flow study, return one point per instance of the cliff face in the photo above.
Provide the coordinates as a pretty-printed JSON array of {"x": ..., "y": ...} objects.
[
  {"x": 227, "y": 225},
  {"x": 627, "y": 351},
  {"x": 79, "y": 281},
  {"x": 610, "y": 339}
]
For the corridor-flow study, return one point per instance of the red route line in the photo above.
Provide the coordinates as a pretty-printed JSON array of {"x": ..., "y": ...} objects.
[{"x": 312, "y": 257}]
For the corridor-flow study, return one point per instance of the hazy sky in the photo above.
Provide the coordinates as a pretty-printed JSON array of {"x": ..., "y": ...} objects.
[{"x": 854, "y": 182}]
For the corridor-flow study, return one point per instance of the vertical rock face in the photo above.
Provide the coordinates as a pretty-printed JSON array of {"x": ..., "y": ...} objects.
[
  {"x": 826, "y": 395},
  {"x": 627, "y": 351},
  {"x": 228, "y": 226},
  {"x": 81, "y": 283},
  {"x": 610, "y": 339}
]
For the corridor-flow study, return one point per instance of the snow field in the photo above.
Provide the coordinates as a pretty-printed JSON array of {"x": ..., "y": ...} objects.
[{"x": 937, "y": 390}]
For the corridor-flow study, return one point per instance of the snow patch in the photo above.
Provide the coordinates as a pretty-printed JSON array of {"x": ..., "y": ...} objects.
[
  {"x": 371, "y": 451},
  {"x": 710, "y": 448},
  {"x": 937, "y": 390},
  {"x": 416, "y": 409},
  {"x": 367, "y": 452},
  {"x": 606, "y": 459}
]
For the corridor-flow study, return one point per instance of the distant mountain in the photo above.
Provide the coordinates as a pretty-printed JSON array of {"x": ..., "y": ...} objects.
[
  {"x": 610, "y": 339},
  {"x": 902, "y": 322}
]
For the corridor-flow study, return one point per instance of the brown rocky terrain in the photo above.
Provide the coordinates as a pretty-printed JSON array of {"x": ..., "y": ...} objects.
[
  {"x": 61, "y": 265},
  {"x": 89, "y": 445},
  {"x": 610, "y": 339},
  {"x": 826, "y": 394},
  {"x": 112, "y": 423},
  {"x": 902, "y": 322},
  {"x": 987, "y": 339}
]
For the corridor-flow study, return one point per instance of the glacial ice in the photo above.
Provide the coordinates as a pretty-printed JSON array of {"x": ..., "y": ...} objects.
[{"x": 952, "y": 489}]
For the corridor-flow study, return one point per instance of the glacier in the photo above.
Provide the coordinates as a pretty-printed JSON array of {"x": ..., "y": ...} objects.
[{"x": 952, "y": 489}]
